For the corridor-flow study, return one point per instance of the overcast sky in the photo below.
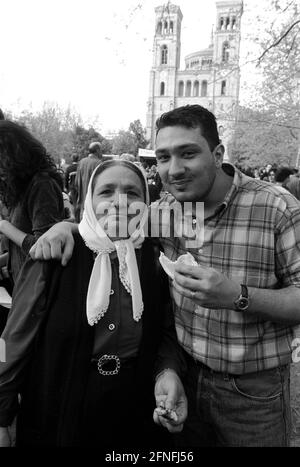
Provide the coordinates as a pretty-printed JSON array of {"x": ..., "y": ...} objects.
[{"x": 92, "y": 54}]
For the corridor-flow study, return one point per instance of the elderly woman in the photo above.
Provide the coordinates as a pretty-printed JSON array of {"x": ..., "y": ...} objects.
[{"x": 82, "y": 352}]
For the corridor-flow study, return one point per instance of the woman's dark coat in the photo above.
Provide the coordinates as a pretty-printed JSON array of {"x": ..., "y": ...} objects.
[{"x": 56, "y": 368}]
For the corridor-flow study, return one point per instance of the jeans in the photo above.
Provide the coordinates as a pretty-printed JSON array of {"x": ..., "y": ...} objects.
[{"x": 236, "y": 410}]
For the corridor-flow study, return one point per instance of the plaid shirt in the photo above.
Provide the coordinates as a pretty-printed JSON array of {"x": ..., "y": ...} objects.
[{"x": 254, "y": 239}]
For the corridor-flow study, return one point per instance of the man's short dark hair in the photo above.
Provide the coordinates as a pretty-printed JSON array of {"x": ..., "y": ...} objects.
[
  {"x": 282, "y": 174},
  {"x": 95, "y": 148},
  {"x": 75, "y": 157},
  {"x": 192, "y": 116}
]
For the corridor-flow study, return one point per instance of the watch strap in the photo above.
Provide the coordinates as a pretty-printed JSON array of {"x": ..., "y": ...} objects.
[{"x": 244, "y": 291}]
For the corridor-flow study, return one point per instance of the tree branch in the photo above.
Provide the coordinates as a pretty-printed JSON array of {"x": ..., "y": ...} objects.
[
  {"x": 278, "y": 41},
  {"x": 293, "y": 43},
  {"x": 293, "y": 134},
  {"x": 286, "y": 8}
]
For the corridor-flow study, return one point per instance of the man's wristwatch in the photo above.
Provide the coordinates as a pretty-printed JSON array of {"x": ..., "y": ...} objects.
[{"x": 242, "y": 302}]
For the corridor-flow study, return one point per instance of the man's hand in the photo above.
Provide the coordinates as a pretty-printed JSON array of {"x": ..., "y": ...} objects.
[
  {"x": 169, "y": 394},
  {"x": 5, "y": 440},
  {"x": 206, "y": 286},
  {"x": 56, "y": 243}
]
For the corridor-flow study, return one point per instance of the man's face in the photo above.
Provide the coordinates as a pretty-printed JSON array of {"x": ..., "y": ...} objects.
[{"x": 185, "y": 163}]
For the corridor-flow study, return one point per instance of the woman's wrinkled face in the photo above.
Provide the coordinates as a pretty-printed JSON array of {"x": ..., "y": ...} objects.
[{"x": 118, "y": 192}]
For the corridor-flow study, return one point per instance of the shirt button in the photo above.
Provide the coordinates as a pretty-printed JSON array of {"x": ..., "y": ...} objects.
[
  {"x": 111, "y": 292},
  {"x": 194, "y": 221},
  {"x": 111, "y": 327}
]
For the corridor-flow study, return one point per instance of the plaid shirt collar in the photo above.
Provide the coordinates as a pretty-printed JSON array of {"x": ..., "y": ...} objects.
[{"x": 230, "y": 170}]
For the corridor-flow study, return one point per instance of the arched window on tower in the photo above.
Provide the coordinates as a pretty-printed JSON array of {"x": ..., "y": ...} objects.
[
  {"x": 164, "y": 55},
  {"x": 227, "y": 22},
  {"x": 180, "y": 88},
  {"x": 223, "y": 88},
  {"x": 204, "y": 88},
  {"x": 159, "y": 27},
  {"x": 225, "y": 52},
  {"x": 166, "y": 27},
  {"x": 222, "y": 23},
  {"x": 233, "y": 23},
  {"x": 188, "y": 89},
  {"x": 162, "y": 88},
  {"x": 171, "y": 27},
  {"x": 196, "y": 89}
]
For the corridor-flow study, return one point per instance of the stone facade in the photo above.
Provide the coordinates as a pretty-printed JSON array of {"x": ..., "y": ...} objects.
[{"x": 211, "y": 76}]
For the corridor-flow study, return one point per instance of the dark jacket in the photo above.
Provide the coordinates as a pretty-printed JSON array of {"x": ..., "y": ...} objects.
[
  {"x": 50, "y": 367},
  {"x": 41, "y": 207}
]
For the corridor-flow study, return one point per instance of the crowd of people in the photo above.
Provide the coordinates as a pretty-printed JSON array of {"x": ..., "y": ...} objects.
[
  {"x": 287, "y": 177},
  {"x": 119, "y": 337}
]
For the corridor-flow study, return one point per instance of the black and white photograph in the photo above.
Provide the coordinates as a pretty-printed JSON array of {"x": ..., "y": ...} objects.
[{"x": 150, "y": 226}]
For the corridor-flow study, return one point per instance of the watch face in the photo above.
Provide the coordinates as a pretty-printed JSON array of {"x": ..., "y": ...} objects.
[{"x": 243, "y": 303}]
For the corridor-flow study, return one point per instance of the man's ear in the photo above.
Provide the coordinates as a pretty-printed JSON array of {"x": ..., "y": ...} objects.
[{"x": 218, "y": 154}]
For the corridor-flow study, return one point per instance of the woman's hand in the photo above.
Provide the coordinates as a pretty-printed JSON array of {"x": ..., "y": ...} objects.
[
  {"x": 170, "y": 395},
  {"x": 5, "y": 439}
]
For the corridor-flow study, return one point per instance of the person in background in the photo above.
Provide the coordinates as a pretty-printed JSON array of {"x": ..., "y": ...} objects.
[
  {"x": 127, "y": 157},
  {"x": 154, "y": 183},
  {"x": 256, "y": 173},
  {"x": 70, "y": 187},
  {"x": 157, "y": 179},
  {"x": 292, "y": 184},
  {"x": 283, "y": 175},
  {"x": 85, "y": 169},
  {"x": 272, "y": 175},
  {"x": 70, "y": 173},
  {"x": 31, "y": 189}
]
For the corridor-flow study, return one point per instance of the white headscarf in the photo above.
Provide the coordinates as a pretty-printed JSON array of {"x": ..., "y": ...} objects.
[{"x": 95, "y": 238}]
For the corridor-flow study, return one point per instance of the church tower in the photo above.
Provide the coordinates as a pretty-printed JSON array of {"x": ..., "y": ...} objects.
[
  {"x": 211, "y": 77},
  {"x": 226, "y": 55},
  {"x": 166, "y": 63}
]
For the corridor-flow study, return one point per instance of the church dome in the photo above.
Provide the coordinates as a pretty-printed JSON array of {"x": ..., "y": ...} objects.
[{"x": 201, "y": 59}]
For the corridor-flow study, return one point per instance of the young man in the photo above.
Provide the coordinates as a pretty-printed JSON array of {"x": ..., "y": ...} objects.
[{"x": 236, "y": 310}]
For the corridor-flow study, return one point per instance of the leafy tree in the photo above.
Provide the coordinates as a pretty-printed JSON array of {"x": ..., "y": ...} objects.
[
  {"x": 258, "y": 141},
  {"x": 83, "y": 137},
  {"x": 125, "y": 141},
  {"x": 139, "y": 132},
  {"x": 273, "y": 46},
  {"x": 53, "y": 126},
  {"x": 130, "y": 141},
  {"x": 280, "y": 64},
  {"x": 268, "y": 127},
  {"x": 61, "y": 131}
]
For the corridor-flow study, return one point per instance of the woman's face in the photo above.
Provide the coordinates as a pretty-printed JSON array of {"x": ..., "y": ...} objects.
[
  {"x": 116, "y": 189},
  {"x": 272, "y": 176}
]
